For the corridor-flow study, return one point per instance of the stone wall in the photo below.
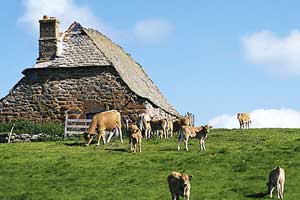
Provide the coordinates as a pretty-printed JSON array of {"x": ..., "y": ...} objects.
[{"x": 46, "y": 94}]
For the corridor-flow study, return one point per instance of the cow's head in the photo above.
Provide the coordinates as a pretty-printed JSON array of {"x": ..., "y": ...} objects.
[
  {"x": 185, "y": 179},
  {"x": 206, "y": 128},
  {"x": 133, "y": 129},
  {"x": 87, "y": 138}
]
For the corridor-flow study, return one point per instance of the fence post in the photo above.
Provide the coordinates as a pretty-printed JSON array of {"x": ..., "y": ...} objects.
[
  {"x": 193, "y": 120},
  {"x": 10, "y": 133},
  {"x": 66, "y": 125}
]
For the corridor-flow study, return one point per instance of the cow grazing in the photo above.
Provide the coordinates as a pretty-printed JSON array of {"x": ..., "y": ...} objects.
[
  {"x": 135, "y": 138},
  {"x": 276, "y": 179},
  {"x": 104, "y": 121},
  {"x": 159, "y": 126},
  {"x": 244, "y": 120},
  {"x": 187, "y": 132},
  {"x": 179, "y": 185}
]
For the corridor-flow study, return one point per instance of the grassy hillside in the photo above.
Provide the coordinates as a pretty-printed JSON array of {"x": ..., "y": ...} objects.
[{"x": 235, "y": 166}]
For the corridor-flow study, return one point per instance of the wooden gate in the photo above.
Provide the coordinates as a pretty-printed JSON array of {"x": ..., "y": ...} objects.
[{"x": 76, "y": 126}]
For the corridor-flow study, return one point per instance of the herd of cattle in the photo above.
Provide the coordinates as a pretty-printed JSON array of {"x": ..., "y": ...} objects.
[
  {"x": 179, "y": 184},
  {"x": 162, "y": 128}
]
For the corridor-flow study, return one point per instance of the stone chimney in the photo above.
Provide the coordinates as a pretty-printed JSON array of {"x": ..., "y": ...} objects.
[{"x": 48, "y": 42}]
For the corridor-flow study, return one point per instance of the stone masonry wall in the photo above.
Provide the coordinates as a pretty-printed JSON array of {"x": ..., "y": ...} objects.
[{"x": 45, "y": 95}]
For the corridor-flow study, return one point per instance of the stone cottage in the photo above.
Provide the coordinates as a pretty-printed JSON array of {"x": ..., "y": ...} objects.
[{"x": 84, "y": 72}]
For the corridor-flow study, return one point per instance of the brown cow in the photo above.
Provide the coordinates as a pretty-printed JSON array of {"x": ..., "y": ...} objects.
[
  {"x": 178, "y": 123},
  {"x": 160, "y": 127},
  {"x": 276, "y": 179},
  {"x": 179, "y": 185},
  {"x": 135, "y": 138},
  {"x": 244, "y": 120},
  {"x": 187, "y": 132},
  {"x": 104, "y": 121}
]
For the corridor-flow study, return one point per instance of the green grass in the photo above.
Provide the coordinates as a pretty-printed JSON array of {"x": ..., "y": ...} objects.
[{"x": 235, "y": 166}]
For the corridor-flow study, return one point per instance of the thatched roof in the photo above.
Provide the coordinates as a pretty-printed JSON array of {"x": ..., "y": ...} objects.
[{"x": 80, "y": 47}]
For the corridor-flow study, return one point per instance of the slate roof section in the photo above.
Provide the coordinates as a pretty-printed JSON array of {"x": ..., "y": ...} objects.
[{"x": 80, "y": 47}]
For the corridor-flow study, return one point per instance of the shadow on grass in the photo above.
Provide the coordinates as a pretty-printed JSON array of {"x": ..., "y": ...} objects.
[
  {"x": 72, "y": 144},
  {"x": 118, "y": 150},
  {"x": 168, "y": 149},
  {"x": 257, "y": 195}
]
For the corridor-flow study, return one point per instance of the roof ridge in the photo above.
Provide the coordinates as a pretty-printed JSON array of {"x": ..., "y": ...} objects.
[{"x": 129, "y": 55}]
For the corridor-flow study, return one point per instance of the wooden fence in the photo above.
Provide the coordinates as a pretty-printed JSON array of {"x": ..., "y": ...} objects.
[{"x": 76, "y": 126}]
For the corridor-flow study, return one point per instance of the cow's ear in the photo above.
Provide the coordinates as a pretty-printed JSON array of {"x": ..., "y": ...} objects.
[{"x": 190, "y": 177}]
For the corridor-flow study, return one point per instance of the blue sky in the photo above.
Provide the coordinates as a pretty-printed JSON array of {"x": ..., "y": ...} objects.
[{"x": 208, "y": 57}]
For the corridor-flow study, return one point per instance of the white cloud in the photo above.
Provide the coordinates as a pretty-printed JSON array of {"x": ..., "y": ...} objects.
[
  {"x": 281, "y": 54},
  {"x": 65, "y": 10},
  {"x": 152, "y": 31},
  {"x": 262, "y": 118}
]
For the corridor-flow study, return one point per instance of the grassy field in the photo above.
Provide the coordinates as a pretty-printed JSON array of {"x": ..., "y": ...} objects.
[{"x": 235, "y": 166}]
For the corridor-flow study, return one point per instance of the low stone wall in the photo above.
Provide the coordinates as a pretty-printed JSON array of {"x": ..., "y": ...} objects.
[{"x": 17, "y": 138}]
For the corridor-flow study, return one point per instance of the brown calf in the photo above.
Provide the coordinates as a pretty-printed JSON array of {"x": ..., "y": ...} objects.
[
  {"x": 135, "y": 138},
  {"x": 178, "y": 123},
  {"x": 179, "y": 185},
  {"x": 276, "y": 179},
  {"x": 159, "y": 126},
  {"x": 187, "y": 132},
  {"x": 244, "y": 120}
]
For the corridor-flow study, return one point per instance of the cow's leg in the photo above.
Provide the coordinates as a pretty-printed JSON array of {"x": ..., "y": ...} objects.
[
  {"x": 140, "y": 144},
  {"x": 282, "y": 189},
  {"x": 187, "y": 197},
  {"x": 278, "y": 190},
  {"x": 147, "y": 133},
  {"x": 111, "y": 133},
  {"x": 186, "y": 143},
  {"x": 134, "y": 147},
  {"x": 201, "y": 144},
  {"x": 204, "y": 145},
  {"x": 130, "y": 143},
  {"x": 90, "y": 140},
  {"x": 103, "y": 138},
  {"x": 101, "y": 133},
  {"x": 271, "y": 192},
  {"x": 180, "y": 138},
  {"x": 120, "y": 133},
  {"x": 173, "y": 197}
]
